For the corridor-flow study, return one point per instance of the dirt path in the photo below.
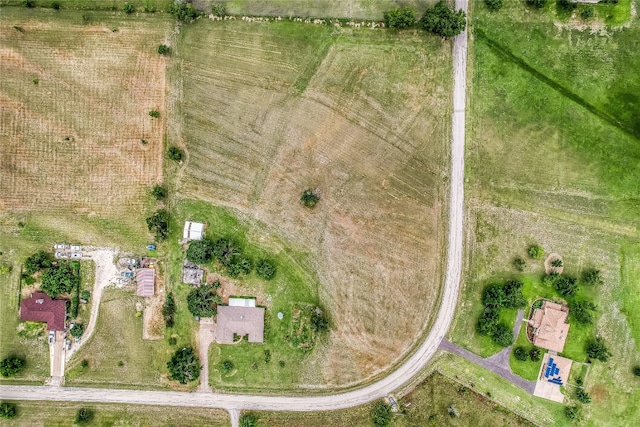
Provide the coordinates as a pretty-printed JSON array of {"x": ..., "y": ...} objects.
[{"x": 105, "y": 272}]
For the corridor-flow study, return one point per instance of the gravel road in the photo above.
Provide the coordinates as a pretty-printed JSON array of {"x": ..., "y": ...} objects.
[{"x": 413, "y": 365}]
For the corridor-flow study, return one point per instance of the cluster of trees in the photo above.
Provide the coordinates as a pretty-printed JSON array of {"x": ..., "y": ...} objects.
[
  {"x": 381, "y": 414},
  {"x": 184, "y": 11},
  {"x": 10, "y": 366},
  {"x": 229, "y": 254},
  {"x": 521, "y": 354},
  {"x": 439, "y": 19},
  {"x": 597, "y": 349},
  {"x": 494, "y": 5},
  {"x": 496, "y": 297},
  {"x": 184, "y": 365},
  {"x": 77, "y": 330},
  {"x": 61, "y": 278},
  {"x": 203, "y": 300},
  {"x": 37, "y": 262},
  {"x": 175, "y": 153},
  {"x": 158, "y": 224},
  {"x": 565, "y": 285}
]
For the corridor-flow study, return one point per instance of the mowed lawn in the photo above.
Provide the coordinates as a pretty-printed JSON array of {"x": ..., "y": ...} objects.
[
  {"x": 64, "y": 413},
  {"x": 552, "y": 159},
  {"x": 75, "y": 95},
  {"x": 116, "y": 354},
  {"x": 269, "y": 110}
]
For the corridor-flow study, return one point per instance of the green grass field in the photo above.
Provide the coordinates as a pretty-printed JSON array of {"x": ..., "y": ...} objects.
[
  {"x": 50, "y": 414},
  {"x": 550, "y": 157},
  {"x": 267, "y": 110},
  {"x": 428, "y": 404}
]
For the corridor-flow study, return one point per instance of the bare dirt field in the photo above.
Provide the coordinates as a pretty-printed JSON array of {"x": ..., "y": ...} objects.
[
  {"x": 75, "y": 94},
  {"x": 363, "y": 117}
]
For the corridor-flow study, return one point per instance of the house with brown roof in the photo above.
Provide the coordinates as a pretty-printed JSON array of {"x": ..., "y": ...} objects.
[
  {"x": 145, "y": 278},
  {"x": 241, "y": 321},
  {"x": 40, "y": 307},
  {"x": 550, "y": 327}
]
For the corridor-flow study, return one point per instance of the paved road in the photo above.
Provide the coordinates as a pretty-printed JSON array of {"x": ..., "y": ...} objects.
[{"x": 413, "y": 365}]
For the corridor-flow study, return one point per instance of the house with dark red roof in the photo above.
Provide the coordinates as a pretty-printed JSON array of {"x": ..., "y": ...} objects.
[{"x": 40, "y": 307}]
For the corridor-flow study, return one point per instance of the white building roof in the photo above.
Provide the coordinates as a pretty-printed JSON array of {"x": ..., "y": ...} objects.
[
  {"x": 242, "y": 302},
  {"x": 193, "y": 230}
]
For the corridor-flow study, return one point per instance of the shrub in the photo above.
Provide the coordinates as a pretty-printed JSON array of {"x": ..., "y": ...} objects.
[
  {"x": 169, "y": 310},
  {"x": 587, "y": 13},
  {"x": 175, "y": 153},
  {"x": 200, "y": 251},
  {"x": 248, "y": 420},
  {"x": 7, "y": 410},
  {"x": 38, "y": 261},
  {"x": 85, "y": 295},
  {"x": 557, "y": 263},
  {"x": 537, "y": 3},
  {"x": 582, "y": 396},
  {"x": 226, "y": 367},
  {"x": 163, "y": 49},
  {"x": 202, "y": 301},
  {"x": 184, "y": 365},
  {"x": 158, "y": 224},
  {"x": 493, "y": 5},
  {"x": 453, "y": 411},
  {"x": 184, "y": 12},
  {"x": 128, "y": 8},
  {"x": 281, "y": 363},
  {"x": 77, "y": 330},
  {"x": 154, "y": 113},
  {"x": 173, "y": 340},
  {"x": 265, "y": 269},
  {"x": 513, "y": 297},
  {"x": 219, "y": 9},
  {"x": 84, "y": 415},
  {"x": 55, "y": 5},
  {"x": 10, "y": 366},
  {"x": 267, "y": 355},
  {"x": 571, "y": 412},
  {"x": 493, "y": 295},
  {"x": 319, "y": 322},
  {"x": 592, "y": 277},
  {"x": 521, "y": 354},
  {"x": 28, "y": 3},
  {"x": 581, "y": 311},
  {"x": 224, "y": 250},
  {"x": 566, "y": 286},
  {"x": 399, "y": 18},
  {"x": 567, "y": 5},
  {"x": 597, "y": 349},
  {"x": 84, "y": 364},
  {"x": 442, "y": 20},
  {"x": 536, "y": 252},
  {"x": 381, "y": 414},
  {"x": 519, "y": 263},
  {"x": 309, "y": 198},
  {"x": 636, "y": 371},
  {"x": 534, "y": 354},
  {"x": 158, "y": 192}
]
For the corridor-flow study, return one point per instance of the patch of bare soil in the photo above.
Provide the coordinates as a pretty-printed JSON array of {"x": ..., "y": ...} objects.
[{"x": 549, "y": 268}]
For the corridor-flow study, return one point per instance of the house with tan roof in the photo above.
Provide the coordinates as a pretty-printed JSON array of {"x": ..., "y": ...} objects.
[
  {"x": 549, "y": 326},
  {"x": 240, "y": 319}
]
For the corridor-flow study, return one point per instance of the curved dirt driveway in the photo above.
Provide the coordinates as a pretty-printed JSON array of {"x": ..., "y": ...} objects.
[{"x": 414, "y": 364}]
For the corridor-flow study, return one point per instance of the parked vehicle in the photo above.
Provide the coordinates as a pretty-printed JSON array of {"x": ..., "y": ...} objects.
[
  {"x": 52, "y": 337},
  {"x": 127, "y": 274},
  {"x": 67, "y": 345},
  {"x": 76, "y": 247},
  {"x": 76, "y": 255},
  {"x": 58, "y": 246},
  {"x": 151, "y": 247}
]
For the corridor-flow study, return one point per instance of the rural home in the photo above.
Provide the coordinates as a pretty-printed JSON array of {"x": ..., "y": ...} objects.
[
  {"x": 146, "y": 282},
  {"x": 40, "y": 307},
  {"x": 192, "y": 231},
  {"x": 550, "y": 327},
  {"x": 242, "y": 318}
]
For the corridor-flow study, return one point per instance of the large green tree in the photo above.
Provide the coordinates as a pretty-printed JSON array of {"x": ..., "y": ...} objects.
[
  {"x": 158, "y": 224},
  {"x": 60, "y": 278},
  {"x": 200, "y": 251},
  {"x": 225, "y": 250},
  {"x": 202, "y": 301},
  {"x": 444, "y": 21},
  {"x": 10, "y": 366},
  {"x": 597, "y": 349},
  {"x": 7, "y": 410},
  {"x": 184, "y": 365},
  {"x": 38, "y": 261},
  {"x": 381, "y": 414}
]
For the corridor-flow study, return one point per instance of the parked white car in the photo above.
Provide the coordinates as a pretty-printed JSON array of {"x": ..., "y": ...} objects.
[
  {"x": 52, "y": 337},
  {"x": 76, "y": 247},
  {"x": 58, "y": 246}
]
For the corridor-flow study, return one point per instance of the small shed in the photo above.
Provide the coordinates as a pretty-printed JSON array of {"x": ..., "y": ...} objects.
[
  {"x": 242, "y": 302},
  {"x": 193, "y": 231},
  {"x": 146, "y": 278}
]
